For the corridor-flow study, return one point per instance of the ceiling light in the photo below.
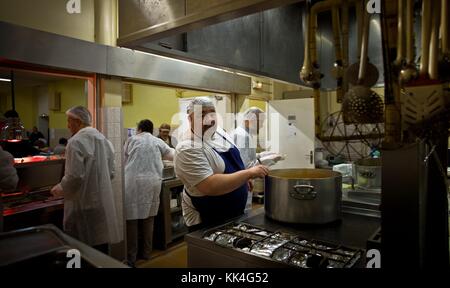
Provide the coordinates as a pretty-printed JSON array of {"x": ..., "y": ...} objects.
[{"x": 5, "y": 80}]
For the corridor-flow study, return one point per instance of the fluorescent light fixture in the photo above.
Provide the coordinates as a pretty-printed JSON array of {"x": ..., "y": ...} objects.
[
  {"x": 183, "y": 61},
  {"x": 5, "y": 80}
]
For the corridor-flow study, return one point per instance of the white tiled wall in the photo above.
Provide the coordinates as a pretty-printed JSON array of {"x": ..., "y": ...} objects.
[{"x": 111, "y": 127}]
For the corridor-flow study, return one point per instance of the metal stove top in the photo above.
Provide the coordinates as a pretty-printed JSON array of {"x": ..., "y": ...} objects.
[{"x": 290, "y": 249}]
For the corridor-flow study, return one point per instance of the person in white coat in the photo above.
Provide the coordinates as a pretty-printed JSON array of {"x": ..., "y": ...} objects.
[
  {"x": 143, "y": 178},
  {"x": 90, "y": 213},
  {"x": 245, "y": 139},
  {"x": 8, "y": 178}
]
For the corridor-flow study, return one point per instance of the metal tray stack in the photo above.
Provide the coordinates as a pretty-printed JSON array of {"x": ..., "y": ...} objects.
[{"x": 292, "y": 250}]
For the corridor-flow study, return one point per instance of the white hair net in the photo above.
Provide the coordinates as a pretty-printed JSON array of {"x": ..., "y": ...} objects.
[
  {"x": 252, "y": 113},
  {"x": 205, "y": 102},
  {"x": 81, "y": 113}
]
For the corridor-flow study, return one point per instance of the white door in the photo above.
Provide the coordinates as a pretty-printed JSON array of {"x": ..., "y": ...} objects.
[{"x": 291, "y": 132}]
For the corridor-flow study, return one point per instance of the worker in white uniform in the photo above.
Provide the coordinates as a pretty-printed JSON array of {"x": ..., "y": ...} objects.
[
  {"x": 8, "y": 178},
  {"x": 144, "y": 155},
  {"x": 245, "y": 137},
  {"x": 90, "y": 213},
  {"x": 211, "y": 169}
]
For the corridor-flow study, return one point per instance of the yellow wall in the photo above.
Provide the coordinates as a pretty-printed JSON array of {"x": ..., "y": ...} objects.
[
  {"x": 244, "y": 103},
  {"x": 50, "y": 16},
  {"x": 158, "y": 104},
  {"x": 72, "y": 94},
  {"x": 25, "y": 104},
  {"x": 191, "y": 93},
  {"x": 257, "y": 103}
]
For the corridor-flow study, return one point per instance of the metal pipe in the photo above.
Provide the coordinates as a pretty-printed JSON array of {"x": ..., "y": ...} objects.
[
  {"x": 444, "y": 26},
  {"x": 400, "y": 34},
  {"x": 392, "y": 125},
  {"x": 345, "y": 61},
  {"x": 444, "y": 61},
  {"x": 336, "y": 32},
  {"x": 105, "y": 22},
  {"x": 317, "y": 126},
  {"x": 409, "y": 71},
  {"x": 338, "y": 52},
  {"x": 350, "y": 137},
  {"x": 312, "y": 34},
  {"x": 315, "y": 10},
  {"x": 434, "y": 41},
  {"x": 306, "y": 71},
  {"x": 426, "y": 25},
  {"x": 359, "y": 7},
  {"x": 409, "y": 31},
  {"x": 364, "y": 48}
]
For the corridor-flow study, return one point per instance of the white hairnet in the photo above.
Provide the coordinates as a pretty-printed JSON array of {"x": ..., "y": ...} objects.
[
  {"x": 205, "y": 102},
  {"x": 81, "y": 113},
  {"x": 252, "y": 113}
]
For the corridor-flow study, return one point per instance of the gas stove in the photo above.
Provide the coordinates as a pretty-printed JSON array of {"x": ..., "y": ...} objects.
[{"x": 290, "y": 249}]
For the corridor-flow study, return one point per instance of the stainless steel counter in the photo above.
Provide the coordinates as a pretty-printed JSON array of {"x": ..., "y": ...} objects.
[
  {"x": 169, "y": 223},
  {"x": 47, "y": 247}
]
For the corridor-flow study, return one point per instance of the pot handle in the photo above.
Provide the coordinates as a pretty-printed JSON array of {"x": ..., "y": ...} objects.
[{"x": 304, "y": 192}]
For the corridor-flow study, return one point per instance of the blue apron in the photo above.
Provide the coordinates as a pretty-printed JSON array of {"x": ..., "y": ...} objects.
[{"x": 219, "y": 209}]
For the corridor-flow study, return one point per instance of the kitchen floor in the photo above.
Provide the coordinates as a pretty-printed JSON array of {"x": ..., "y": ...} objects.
[{"x": 175, "y": 256}]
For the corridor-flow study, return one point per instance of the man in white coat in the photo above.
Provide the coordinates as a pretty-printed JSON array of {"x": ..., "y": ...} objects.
[
  {"x": 245, "y": 138},
  {"x": 90, "y": 213},
  {"x": 143, "y": 178},
  {"x": 8, "y": 178}
]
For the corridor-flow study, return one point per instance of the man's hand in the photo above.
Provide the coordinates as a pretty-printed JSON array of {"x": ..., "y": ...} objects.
[
  {"x": 57, "y": 191},
  {"x": 258, "y": 171}
]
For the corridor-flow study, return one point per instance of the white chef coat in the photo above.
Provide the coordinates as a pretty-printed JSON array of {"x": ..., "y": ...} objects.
[
  {"x": 90, "y": 213},
  {"x": 143, "y": 175},
  {"x": 246, "y": 144}
]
